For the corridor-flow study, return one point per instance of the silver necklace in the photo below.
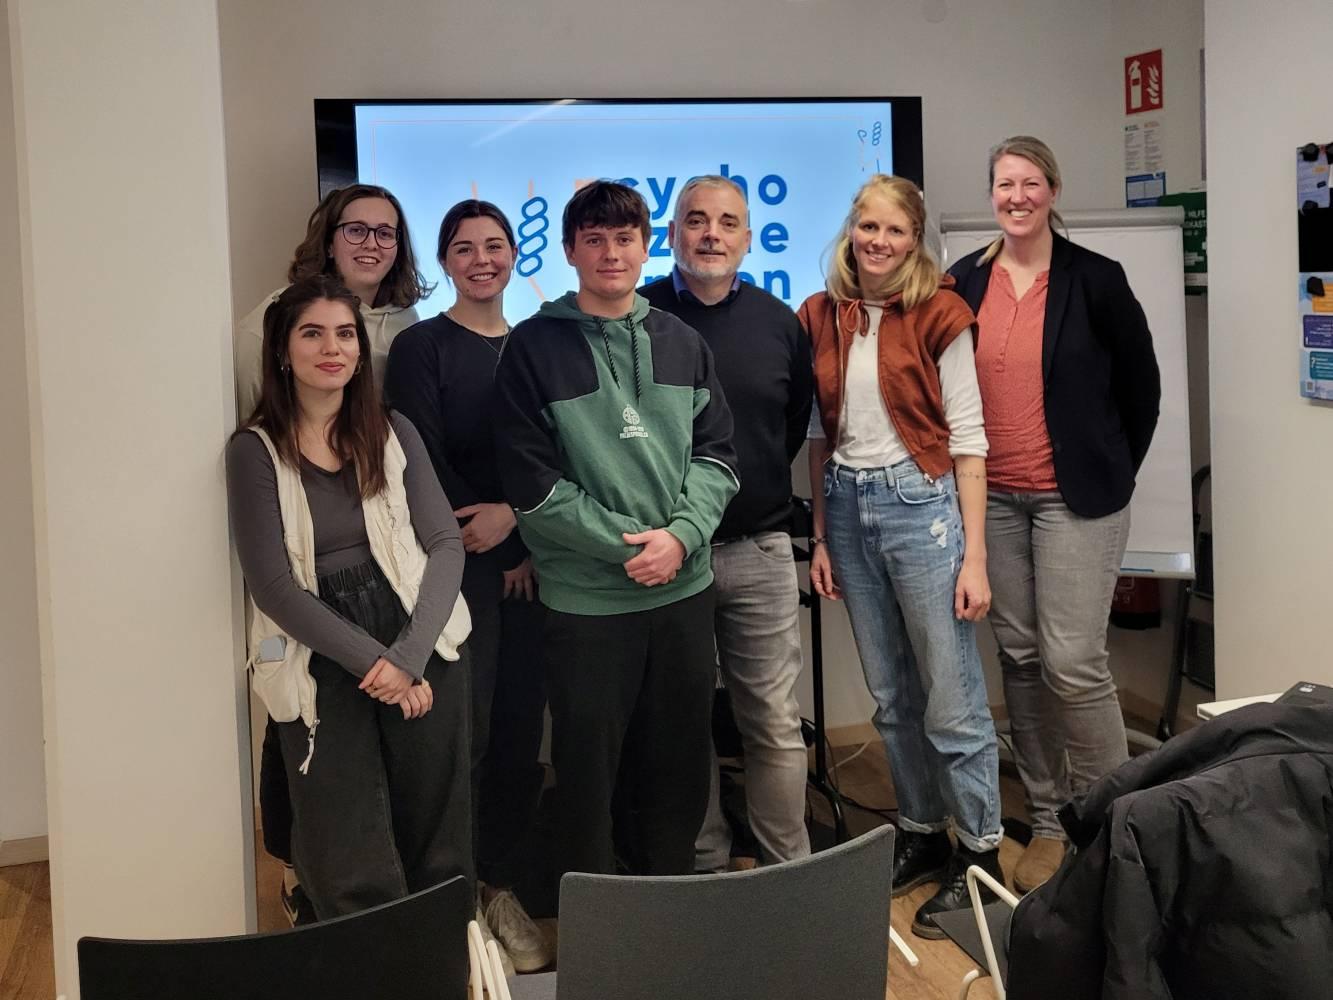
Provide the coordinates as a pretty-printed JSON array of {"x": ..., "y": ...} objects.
[{"x": 503, "y": 338}]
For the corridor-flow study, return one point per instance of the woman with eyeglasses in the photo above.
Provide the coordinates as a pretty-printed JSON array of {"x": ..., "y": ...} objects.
[
  {"x": 353, "y": 561},
  {"x": 357, "y": 234},
  {"x": 441, "y": 376}
]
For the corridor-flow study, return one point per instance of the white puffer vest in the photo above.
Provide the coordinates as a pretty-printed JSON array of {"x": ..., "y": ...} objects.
[{"x": 285, "y": 686}]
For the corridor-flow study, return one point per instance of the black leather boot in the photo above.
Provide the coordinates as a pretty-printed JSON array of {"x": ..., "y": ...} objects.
[
  {"x": 919, "y": 858},
  {"x": 952, "y": 894}
]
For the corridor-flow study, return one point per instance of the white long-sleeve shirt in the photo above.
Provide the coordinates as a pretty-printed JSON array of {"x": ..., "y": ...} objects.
[{"x": 867, "y": 438}]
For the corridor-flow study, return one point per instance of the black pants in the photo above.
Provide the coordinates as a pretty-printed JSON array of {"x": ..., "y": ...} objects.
[
  {"x": 508, "y": 700},
  {"x": 631, "y": 698},
  {"x": 384, "y": 807},
  {"x": 275, "y": 801}
]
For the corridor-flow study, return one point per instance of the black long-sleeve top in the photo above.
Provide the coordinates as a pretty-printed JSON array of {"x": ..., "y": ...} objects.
[
  {"x": 441, "y": 376},
  {"x": 341, "y": 541},
  {"x": 762, "y": 358}
]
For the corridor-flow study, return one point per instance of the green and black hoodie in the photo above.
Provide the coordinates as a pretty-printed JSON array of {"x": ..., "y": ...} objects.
[{"x": 606, "y": 427}]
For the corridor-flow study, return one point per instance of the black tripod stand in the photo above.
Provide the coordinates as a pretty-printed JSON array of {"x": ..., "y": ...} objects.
[{"x": 818, "y": 779}]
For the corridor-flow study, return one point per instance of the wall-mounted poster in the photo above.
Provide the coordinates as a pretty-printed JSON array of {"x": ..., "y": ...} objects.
[{"x": 1314, "y": 228}]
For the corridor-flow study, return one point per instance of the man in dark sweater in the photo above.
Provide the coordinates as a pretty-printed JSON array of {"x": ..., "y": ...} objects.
[
  {"x": 763, "y": 362},
  {"x": 615, "y": 451}
]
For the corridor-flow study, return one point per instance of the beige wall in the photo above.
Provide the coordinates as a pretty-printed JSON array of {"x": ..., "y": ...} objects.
[
  {"x": 277, "y": 58},
  {"x": 121, "y": 200},
  {"x": 22, "y": 776},
  {"x": 1272, "y": 450}
]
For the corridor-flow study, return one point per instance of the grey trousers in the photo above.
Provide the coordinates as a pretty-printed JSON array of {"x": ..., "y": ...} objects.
[
  {"x": 1052, "y": 575},
  {"x": 759, "y": 650}
]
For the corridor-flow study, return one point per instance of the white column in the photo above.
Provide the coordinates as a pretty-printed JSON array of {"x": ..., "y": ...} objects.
[
  {"x": 22, "y": 781},
  {"x": 1270, "y": 450},
  {"x": 122, "y": 213}
]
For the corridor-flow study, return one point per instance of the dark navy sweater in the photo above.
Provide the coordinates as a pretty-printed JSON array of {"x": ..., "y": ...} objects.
[{"x": 762, "y": 358}]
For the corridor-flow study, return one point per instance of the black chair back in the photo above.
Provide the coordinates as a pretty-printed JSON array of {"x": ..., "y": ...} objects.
[{"x": 411, "y": 949}]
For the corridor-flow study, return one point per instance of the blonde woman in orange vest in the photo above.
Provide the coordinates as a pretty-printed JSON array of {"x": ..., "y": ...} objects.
[{"x": 899, "y": 448}]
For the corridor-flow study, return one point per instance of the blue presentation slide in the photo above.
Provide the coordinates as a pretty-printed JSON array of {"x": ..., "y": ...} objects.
[{"x": 800, "y": 164}]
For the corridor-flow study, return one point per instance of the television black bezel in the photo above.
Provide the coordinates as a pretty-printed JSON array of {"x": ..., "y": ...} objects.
[{"x": 335, "y": 126}]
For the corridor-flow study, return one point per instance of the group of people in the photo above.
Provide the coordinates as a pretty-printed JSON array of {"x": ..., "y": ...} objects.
[{"x": 591, "y": 511}]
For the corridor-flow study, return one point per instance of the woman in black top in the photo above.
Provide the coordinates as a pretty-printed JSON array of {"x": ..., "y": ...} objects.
[
  {"x": 353, "y": 559},
  {"x": 441, "y": 376}
]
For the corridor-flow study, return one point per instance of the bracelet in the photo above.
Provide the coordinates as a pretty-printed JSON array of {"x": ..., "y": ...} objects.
[
  {"x": 819, "y": 540},
  {"x": 970, "y": 475}
]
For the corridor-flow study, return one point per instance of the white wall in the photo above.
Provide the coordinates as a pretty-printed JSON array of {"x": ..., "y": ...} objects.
[
  {"x": 986, "y": 71},
  {"x": 122, "y": 212},
  {"x": 22, "y": 776},
  {"x": 1140, "y": 661},
  {"x": 1272, "y": 450}
]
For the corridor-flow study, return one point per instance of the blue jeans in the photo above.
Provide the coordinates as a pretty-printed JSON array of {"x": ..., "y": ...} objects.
[{"x": 896, "y": 542}]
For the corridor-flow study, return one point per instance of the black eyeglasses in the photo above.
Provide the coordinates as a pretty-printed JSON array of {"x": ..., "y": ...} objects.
[{"x": 357, "y": 233}]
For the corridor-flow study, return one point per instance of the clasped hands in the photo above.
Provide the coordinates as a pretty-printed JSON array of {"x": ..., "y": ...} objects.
[
  {"x": 658, "y": 561},
  {"x": 394, "y": 686}
]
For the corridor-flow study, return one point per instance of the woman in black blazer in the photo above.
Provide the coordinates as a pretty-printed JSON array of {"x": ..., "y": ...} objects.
[{"x": 1070, "y": 391}]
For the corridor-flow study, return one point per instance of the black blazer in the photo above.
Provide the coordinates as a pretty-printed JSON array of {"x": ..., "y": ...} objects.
[{"x": 1102, "y": 386}]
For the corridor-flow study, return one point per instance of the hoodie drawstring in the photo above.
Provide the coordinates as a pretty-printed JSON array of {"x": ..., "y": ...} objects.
[
  {"x": 634, "y": 350},
  {"x": 606, "y": 343}
]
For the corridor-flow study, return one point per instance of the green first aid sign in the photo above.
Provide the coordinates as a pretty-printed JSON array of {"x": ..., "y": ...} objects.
[{"x": 1195, "y": 236}]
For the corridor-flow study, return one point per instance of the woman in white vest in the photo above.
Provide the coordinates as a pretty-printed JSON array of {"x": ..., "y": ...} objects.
[{"x": 353, "y": 560}]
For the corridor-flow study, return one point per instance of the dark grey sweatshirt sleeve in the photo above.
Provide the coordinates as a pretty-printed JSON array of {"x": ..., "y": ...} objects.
[
  {"x": 256, "y": 524},
  {"x": 437, "y": 529}
]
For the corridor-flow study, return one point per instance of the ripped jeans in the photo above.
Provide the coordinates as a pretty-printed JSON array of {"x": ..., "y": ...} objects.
[{"x": 896, "y": 542}]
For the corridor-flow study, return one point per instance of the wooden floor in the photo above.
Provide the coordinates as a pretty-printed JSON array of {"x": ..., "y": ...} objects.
[
  {"x": 943, "y": 965},
  {"x": 26, "y": 964}
]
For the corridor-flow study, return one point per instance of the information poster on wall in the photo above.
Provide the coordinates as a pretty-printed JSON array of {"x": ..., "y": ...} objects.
[
  {"x": 1144, "y": 166},
  {"x": 1314, "y": 227}
]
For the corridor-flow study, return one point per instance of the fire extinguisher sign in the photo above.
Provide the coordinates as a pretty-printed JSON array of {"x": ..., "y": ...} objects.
[{"x": 1143, "y": 82}]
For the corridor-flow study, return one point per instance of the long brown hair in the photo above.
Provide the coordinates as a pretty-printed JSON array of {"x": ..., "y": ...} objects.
[
  {"x": 917, "y": 277},
  {"x": 361, "y": 428},
  {"x": 403, "y": 286}
]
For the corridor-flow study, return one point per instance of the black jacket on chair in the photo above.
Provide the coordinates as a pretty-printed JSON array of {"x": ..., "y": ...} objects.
[
  {"x": 1102, "y": 386},
  {"x": 1202, "y": 871}
]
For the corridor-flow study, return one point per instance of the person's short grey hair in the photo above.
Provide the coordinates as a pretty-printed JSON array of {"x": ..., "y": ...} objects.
[{"x": 709, "y": 181}]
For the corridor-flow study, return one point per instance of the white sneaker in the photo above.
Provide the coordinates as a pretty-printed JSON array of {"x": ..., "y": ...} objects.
[
  {"x": 506, "y": 962},
  {"x": 517, "y": 932}
]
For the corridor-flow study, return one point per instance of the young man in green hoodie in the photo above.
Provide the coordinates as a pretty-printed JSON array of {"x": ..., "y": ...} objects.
[{"x": 615, "y": 452}]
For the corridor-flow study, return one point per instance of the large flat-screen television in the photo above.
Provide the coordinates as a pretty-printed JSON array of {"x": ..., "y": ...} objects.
[{"x": 799, "y": 159}]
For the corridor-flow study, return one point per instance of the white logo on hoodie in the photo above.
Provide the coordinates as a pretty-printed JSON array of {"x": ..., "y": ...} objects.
[{"x": 631, "y": 428}]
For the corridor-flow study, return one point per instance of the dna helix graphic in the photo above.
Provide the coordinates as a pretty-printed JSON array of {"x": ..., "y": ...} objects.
[{"x": 532, "y": 236}]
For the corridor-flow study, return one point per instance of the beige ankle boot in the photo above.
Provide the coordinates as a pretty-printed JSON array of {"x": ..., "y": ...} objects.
[{"x": 1040, "y": 859}]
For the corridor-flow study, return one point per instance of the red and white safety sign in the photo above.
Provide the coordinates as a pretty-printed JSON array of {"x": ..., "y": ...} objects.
[{"x": 1143, "y": 82}]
